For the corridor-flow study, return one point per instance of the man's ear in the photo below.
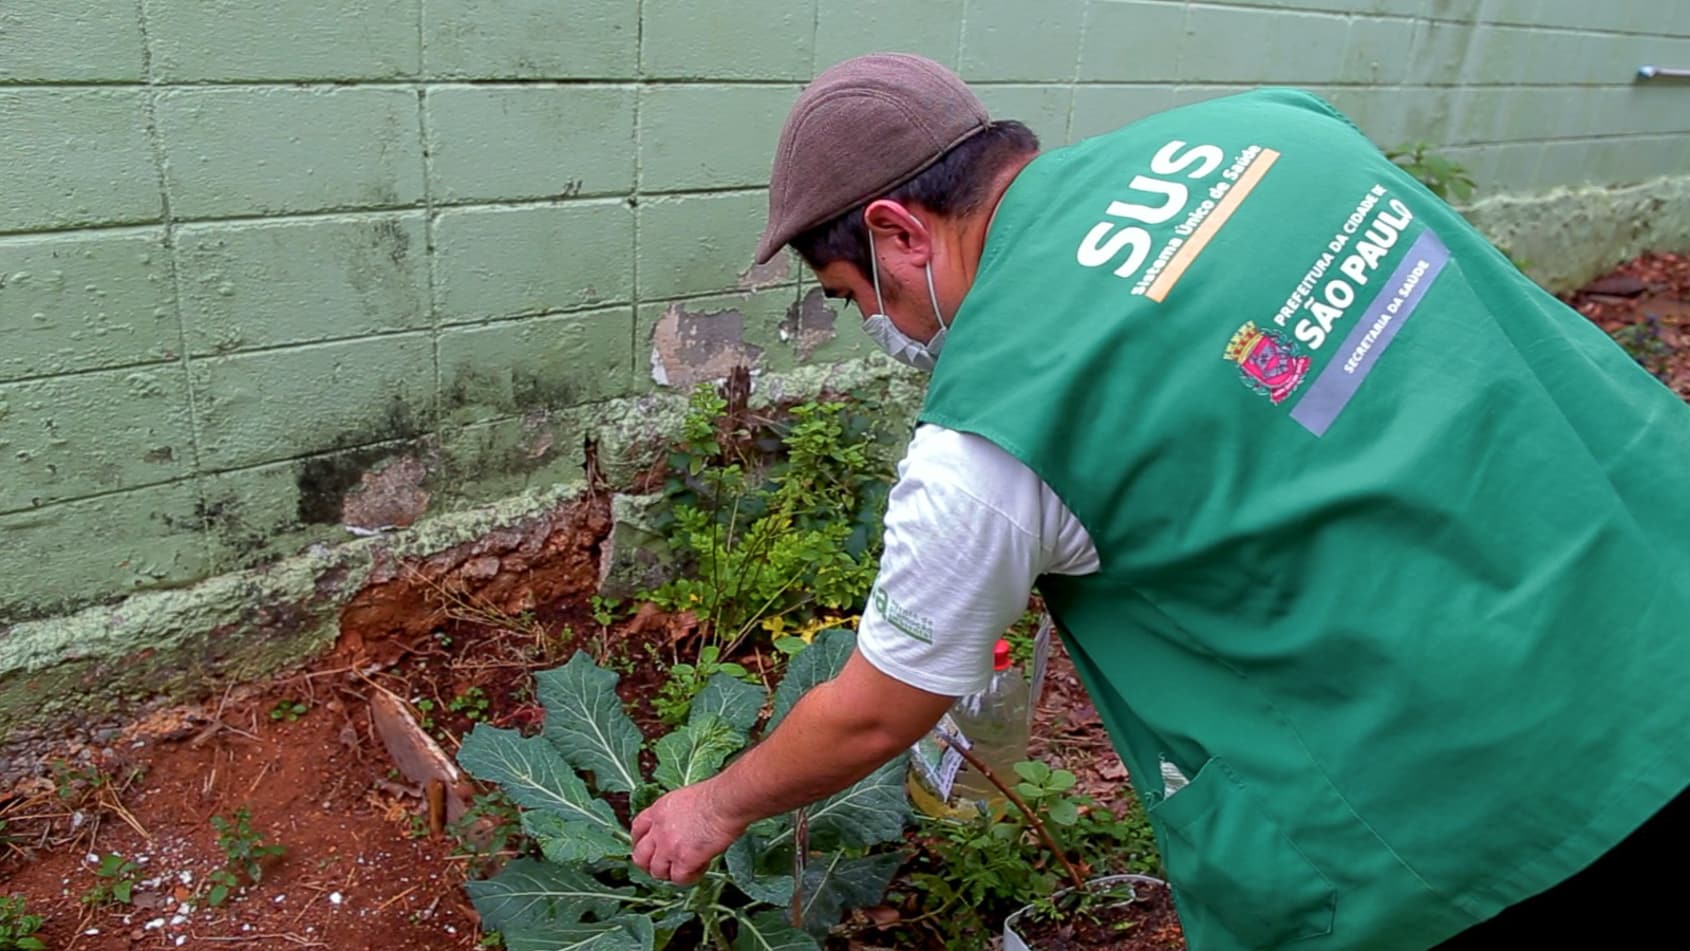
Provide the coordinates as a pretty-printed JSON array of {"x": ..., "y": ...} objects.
[{"x": 898, "y": 230}]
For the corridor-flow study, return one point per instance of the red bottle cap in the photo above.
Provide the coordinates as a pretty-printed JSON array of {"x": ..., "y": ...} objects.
[{"x": 1000, "y": 655}]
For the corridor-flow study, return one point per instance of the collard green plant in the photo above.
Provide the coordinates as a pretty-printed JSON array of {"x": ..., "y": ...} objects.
[{"x": 779, "y": 888}]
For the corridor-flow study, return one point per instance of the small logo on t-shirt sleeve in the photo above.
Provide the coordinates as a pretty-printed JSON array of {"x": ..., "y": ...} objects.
[{"x": 904, "y": 620}]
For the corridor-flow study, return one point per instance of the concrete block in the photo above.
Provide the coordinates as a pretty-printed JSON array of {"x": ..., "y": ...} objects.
[
  {"x": 504, "y": 262},
  {"x": 300, "y": 39},
  {"x": 1440, "y": 51},
  {"x": 531, "y": 39},
  {"x": 1397, "y": 8},
  {"x": 85, "y": 300},
  {"x": 683, "y": 343},
  {"x": 728, "y": 39},
  {"x": 73, "y": 436},
  {"x": 847, "y": 28},
  {"x": 535, "y": 364},
  {"x": 1016, "y": 41},
  {"x": 1377, "y": 51},
  {"x": 75, "y": 157},
  {"x": 269, "y": 284},
  {"x": 277, "y": 404},
  {"x": 1101, "y": 109},
  {"x": 493, "y": 143},
  {"x": 486, "y": 461},
  {"x": 249, "y": 151},
  {"x": 698, "y": 244},
  {"x": 1132, "y": 41},
  {"x": 1263, "y": 46},
  {"x": 62, "y": 557},
  {"x": 1516, "y": 55},
  {"x": 53, "y": 41},
  {"x": 1043, "y": 107},
  {"x": 707, "y": 136},
  {"x": 254, "y": 516}
]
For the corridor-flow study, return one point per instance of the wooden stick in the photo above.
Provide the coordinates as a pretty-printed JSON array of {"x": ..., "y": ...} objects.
[{"x": 1050, "y": 843}]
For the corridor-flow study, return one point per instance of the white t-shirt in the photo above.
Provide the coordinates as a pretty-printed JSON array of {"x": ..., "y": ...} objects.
[{"x": 969, "y": 529}]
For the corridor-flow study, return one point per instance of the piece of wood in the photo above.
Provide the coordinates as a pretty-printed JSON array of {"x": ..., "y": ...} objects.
[{"x": 418, "y": 756}]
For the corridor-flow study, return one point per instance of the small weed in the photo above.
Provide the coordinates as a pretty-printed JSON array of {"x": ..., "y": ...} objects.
[
  {"x": 674, "y": 700},
  {"x": 1643, "y": 342},
  {"x": 118, "y": 877},
  {"x": 604, "y": 609},
  {"x": 289, "y": 710},
  {"x": 18, "y": 926},
  {"x": 504, "y": 818},
  {"x": 472, "y": 704},
  {"x": 244, "y": 852},
  {"x": 1444, "y": 178},
  {"x": 425, "y": 707}
]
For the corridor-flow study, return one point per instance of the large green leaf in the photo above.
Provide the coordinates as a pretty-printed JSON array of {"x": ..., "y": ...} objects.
[
  {"x": 534, "y": 776},
  {"x": 531, "y": 892},
  {"x": 567, "y": 843},
  {"x": 821, "y": 661},
  {"x": 763, "y": 876},
  {"x": 627, "y": 933},
  {"x": 770, "y": 931},
  {"x": 730, "y": 698},
  {"x": 834, "y": 882},
  {"x": 695, "y": 751},
  {"x": 871, "y": 811},
  {"x": 586, "y": 722}
]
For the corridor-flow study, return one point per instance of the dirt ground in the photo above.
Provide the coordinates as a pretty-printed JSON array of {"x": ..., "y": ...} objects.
[{"x": 368, "y": 863}]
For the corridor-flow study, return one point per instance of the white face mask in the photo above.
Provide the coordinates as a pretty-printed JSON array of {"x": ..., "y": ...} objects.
[{"x": 895, "y": 342}]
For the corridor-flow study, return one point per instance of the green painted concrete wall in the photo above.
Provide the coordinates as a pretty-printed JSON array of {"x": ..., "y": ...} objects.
[{"x": 271, "y": 269}]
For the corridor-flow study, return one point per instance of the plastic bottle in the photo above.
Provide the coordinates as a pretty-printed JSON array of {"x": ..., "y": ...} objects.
[{"x": 995, "y": 722}]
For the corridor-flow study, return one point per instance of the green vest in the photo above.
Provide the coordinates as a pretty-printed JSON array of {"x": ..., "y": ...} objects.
[{"x": 1394, "y": 545}]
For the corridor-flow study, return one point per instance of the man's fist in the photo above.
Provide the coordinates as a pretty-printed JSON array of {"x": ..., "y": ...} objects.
[{"x": 677, "y": 837}]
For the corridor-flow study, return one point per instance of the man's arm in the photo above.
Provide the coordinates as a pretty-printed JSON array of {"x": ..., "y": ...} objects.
[{"x": 838, "y": 733}]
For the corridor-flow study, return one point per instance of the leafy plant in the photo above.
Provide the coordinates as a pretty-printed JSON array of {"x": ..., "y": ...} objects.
[
  {"x": 781, "y": 886},
  {"x": 975, "y": 873},
  {"x": 472, "y": 704},
  {"x": 674, "y": 699},
  {"x": 18, "y": 926},
  {"x": 289, "y": 710},
  {"x": 778, "y": 517},
  {"x": 117, "y": 878},
  {"x": 1643, "y": 342},
  {"x": 244, "y": 852},
  {"x": 1446, "y": 179}
]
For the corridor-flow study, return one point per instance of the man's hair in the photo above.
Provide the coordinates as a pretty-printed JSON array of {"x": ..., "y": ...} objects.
[{"x": 954, "y": 186}]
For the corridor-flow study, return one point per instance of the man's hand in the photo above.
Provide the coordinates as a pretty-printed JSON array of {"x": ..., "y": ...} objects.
[
  {"x": 677, "y": 836},
  {"x": 838, "y": 733}
]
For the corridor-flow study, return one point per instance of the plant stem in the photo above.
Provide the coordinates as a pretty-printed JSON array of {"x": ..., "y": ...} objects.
[{"x": 1044, "y": 833}]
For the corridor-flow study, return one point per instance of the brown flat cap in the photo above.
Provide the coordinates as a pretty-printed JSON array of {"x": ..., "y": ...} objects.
[{"x": 861, "y": 129}]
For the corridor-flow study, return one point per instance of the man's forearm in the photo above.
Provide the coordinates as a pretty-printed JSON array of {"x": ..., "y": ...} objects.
[{"x": 826, "y": 743}]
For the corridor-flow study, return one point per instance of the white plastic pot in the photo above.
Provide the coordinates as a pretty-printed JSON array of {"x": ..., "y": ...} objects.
[{"x": 1012, "y": 940}]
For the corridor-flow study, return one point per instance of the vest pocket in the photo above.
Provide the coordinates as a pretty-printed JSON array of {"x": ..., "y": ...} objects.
[{"x": 1235, "y": 870}]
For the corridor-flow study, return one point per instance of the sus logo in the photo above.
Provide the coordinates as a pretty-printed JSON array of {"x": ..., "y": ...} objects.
[{"x": 1268, "y": 361}]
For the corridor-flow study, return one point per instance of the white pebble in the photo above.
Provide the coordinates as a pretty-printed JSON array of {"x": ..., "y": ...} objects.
[
  {"x": 187, "y": 876},
  {"x": 181, "y": 939},
  {"x": 155, "y": 923},
  {"x": 93, "y": 859},
  {"x": 177, "y": 921},
  {"x": 279, "y": 898},
  {"x": 92, "y": 931},
  {"x": 335, "y": 898}
]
